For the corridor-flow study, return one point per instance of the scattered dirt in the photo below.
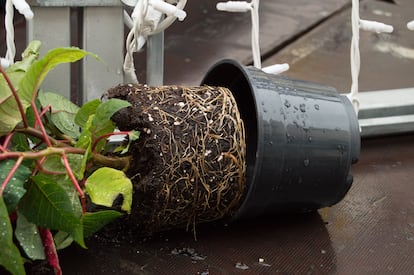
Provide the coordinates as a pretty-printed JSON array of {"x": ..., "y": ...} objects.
[{"x": 188, "y": 165}]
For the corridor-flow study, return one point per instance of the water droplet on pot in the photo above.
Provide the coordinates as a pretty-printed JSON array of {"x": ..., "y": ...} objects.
[
  {"x": 341, "y": 148},
  {"x": 270, "y": 143},
  {"x": 264, "y": 111},
  {"x": 302, "y": 108},
  {"x": 310, "y": 139},
  {"x": 306, "y": 162},
  {"x": 316, "y": 107},
  {"x": 287, "y": 104}
]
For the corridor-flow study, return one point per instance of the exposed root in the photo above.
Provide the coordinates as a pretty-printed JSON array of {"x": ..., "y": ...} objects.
[{"x": 189, "y": 164}]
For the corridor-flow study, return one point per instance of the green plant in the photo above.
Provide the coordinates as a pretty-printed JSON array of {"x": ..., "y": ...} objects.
[{"x": 52, "y": 152}]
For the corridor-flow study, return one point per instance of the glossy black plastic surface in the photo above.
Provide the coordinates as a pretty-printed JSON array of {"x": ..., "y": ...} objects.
[{"x": 302, "y": 138}]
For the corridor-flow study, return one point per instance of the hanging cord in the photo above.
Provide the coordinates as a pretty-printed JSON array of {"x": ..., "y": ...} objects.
[
  {"x": 147, "y": 19},
  {"x": 253, "y": 7},
  {"x": 366, "y": 25},
  {"x": 24, "y": 9}
]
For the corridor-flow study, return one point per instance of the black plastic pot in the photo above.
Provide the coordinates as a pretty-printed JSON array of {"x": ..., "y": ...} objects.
[{"x": 302, "y": 138}]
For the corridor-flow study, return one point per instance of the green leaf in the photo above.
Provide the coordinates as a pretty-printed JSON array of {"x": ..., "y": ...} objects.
[
  {"x": 38, "y": 71},
  {"x": 47, "y": 204},
  {"x": 85, "y": 142},
  {"x": 102, "y": 123},
  {"x": 87, "y": 110},
  {"x": 9, "y": 111},
  {"x": 29, "y": 56},
  {"x": 73, "y": 195},
  {"x": 28, "y": 236},
  {"x": 62, "y": 240},
  {"x": 92, "y": 222},
  {"x": 10, "y": 256},
  {"x": 95, "y": 119},
  {"x": 85, "y": 138},
  {"x": 54, "y": 163},
  {"x": 20, "y": 142},
  {"x": 14, "y": 190},
  {"x": 105, "y": 184},
  {"x": 63, "y": 113},
  {"x": 105, "y": 111}
]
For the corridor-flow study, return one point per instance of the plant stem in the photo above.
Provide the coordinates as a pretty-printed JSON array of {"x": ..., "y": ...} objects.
[
  {"x": 10, "y": 175},
  {"x": 16, "y": 96},
  {"x": 46, "y": 152},
  {"x": 74, "y": 181},
  {"x": 50, "y": 250},
  {"x": 36, "y": 133},
  {"x": 7, "y": 140},
  {"x": 39, "y": 122},
  {"x": 42, "y": 113}
]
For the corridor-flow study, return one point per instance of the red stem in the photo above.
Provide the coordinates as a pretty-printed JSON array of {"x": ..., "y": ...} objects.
[
  {"x": 42, "y": 113},
  {"x": 40, "y": 123},
  {"x": 10, "y": 175},
  {"x": 16, "y": 97},
  {"x": 74, "y": 181},
  {"x": 106, "y": 136},
  {"x": 50, "y": 250},
  {"x": 13, "y": 216},
  {"x": 7, "y": 140},
  {"x": 38, "y": 165}
]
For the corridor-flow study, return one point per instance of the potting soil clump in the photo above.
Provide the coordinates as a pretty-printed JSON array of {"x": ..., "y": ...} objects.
[{"x": 188, "y": 166}]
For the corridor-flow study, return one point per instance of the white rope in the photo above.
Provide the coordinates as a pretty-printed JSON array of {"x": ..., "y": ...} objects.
[
  {"x": 355, "y": 55},
  {"x": 147, "y": 19},
  {"x": 24, "y": 9},
  {"x": 8, "y": 24},
  {"x": 253, "y": 7},
  {"x": 366, "y": 25},
  {"x": 257, "y": 59},
  {"x": 410, "y": 25},
  {"x": 276, "y": 68}
]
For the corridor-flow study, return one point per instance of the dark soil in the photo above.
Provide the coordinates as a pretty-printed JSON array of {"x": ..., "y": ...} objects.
[{"x": 188, "y": 165}]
